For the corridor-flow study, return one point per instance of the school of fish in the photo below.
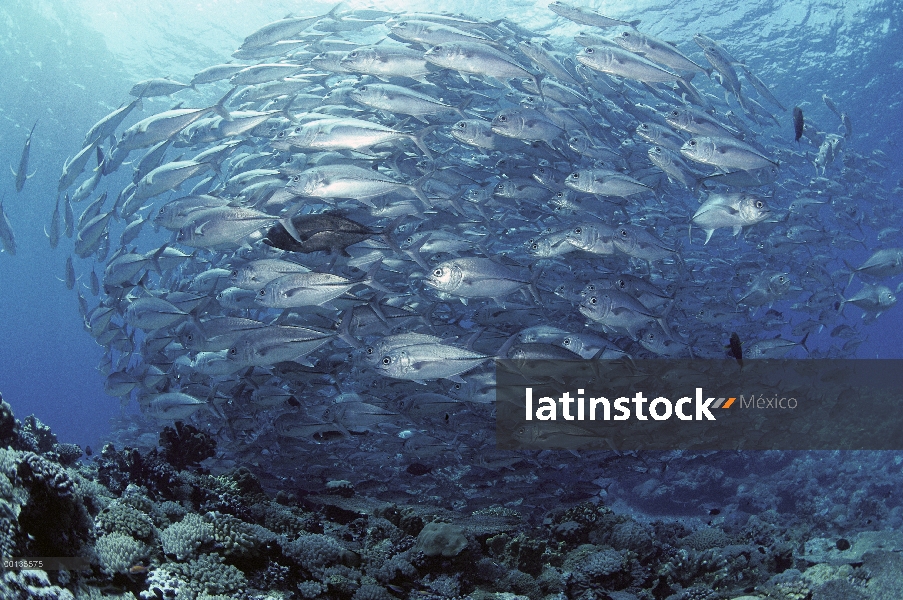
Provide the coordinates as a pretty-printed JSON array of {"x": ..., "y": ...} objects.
[{"x": 329, "y": 238}]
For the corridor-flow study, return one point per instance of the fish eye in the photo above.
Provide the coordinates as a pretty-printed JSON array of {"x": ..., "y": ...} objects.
[
  {"x": 559, "y": 195},
  {"x": 650, "y": 337},
  {"x": 457, "y": 386},
  {"x": 566, "y": 342},
  {"x": 162, "y": 210},
  {"x": 296, "y": 178},
  {"x": 622, "y": 232},
  {"x": 462, "y": 125},
  {"x": 657, "y": 150},
  {"x": 760, "y": 204},
  {"x": 234, "y": 273},
  {"x": 410, "y": 240},
  {"x": 502, "y": 118},
  {"x": 403, "y": 24},
  {"x": 541, "y": 170},
  {"x": 353, "y": 54},
  {"x": 437, "y": 273},
  {"x": 621, "y": 283},
  {"x": 592, "y": 300},
  {"x": 625, "y": 34},
  {"x": 675, "y": 113},
  {"x": 233, "y": 350},
  {"x": 370, "y": 350},
  {"x": 387, "y": 361},
  {"x": 578, "y": 230},
  {"x": 691, "y": 143},
  {"x": 263, "y": 292},
  {"x": 589, "y": 50},
  {"x": 534, "y": 247},
  {"x": 575, "y": 175}
]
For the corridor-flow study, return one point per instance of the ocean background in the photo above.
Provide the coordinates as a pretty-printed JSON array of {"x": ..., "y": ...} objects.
[{"x": 67, "y": 63}]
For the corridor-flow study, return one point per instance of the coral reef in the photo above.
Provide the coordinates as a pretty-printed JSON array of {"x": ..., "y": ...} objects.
[{"x": 186, "y": 446}]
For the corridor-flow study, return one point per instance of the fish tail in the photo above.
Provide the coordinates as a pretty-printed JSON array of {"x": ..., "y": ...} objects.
[
  {"x": 852, "y": 271},
  {"x": 377, "y": 309},
  {"x": 344, "y": 333},
  {"x": 155, "y": 259},
  {"x": 463, "y": 106},
  {"x": 220, "y": 107},
  {"x": 414, "y": 253},
  {"x": 502, "y": 354},
  {"x": 417, "y": 189},
  {"x": 534, "y": 291},
  {"x": 370, "y": 278},
  {"x": 664, "y": 324},
  {"x": 537, "y": 79},
  {"x": 418, "y": 140}
]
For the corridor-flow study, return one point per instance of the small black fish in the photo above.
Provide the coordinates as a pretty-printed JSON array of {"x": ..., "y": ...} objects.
[
  {"x": 417, "y": 469},
  {"x": 88, "y": 450},
  {"x": 797, "y": 122},
  {"x": 736, "y": 349}
]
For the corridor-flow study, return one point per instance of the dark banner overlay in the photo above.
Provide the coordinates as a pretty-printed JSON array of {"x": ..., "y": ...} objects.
[{"x": 700, "y": 404}]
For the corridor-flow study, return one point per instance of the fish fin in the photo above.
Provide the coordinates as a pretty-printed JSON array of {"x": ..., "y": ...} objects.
[
  {"x": 417, "y": 188},
  {"x": 418, "y": 139},
  {"x": 635, "y": 23},
  {"x": 456, "y": 379},
  {"x": 737, "y": 229},
  {"x": 11, "y": 170},
  {"x": 852, "y": 271},
  {"x": 708, "y": 235},
  {"x": 215, "y": 410},
  {"x": 503, "y": 351},
  {"x": 220, "y": 107},
  {"x": 291, "y": 229},
  {"x": 370, "y": 279},
  {"x": 155, "y": 259},
  {"x": 414, "y": 252}
]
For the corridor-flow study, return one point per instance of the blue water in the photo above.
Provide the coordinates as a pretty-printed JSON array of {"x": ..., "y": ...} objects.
[{"x": 67, "y": 64}]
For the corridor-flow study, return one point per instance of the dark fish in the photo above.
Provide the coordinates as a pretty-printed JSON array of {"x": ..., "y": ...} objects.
[
  {"x": 312, "y": 233},
  {"x": 736, "y": 348},
  {"x": 418, "y": 469},
  {"x": 22, "y": 174},
  {"x": 797, "y": 123}
]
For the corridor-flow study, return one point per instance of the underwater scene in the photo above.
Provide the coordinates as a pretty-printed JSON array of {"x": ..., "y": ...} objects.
[{"x": 279, "y": 280}]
